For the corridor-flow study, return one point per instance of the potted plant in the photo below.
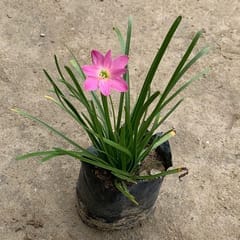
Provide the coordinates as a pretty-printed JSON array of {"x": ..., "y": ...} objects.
[{"x": 122, "y": 171}]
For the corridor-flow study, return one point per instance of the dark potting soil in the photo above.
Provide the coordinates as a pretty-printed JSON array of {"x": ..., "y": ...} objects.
[{"x": 152, "y": 164}]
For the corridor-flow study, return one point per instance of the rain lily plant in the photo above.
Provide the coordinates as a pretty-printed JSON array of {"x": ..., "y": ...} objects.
[{"x": 122, "y": 137}]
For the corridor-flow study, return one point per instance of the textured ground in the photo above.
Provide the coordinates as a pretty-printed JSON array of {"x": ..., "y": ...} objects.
[{"x": 37, "y": 201}]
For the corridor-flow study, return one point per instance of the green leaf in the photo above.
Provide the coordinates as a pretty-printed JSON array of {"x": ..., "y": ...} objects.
[
  {"x": 96, "y": 161},
  {"x": 58, "y": 67},
  {"x": 175, "y": 77},
  {"x": 80, "y": 94},
  {"x": 179, "y": 73},
  {"x": 121, "y": 186},
  {"x": 156, "y": 142},
  {"x": 74, "y": 62},
  {"x": 95, "y": 97},
  {"x": 163, "y": 174},
  {"x": 165, "y": 137},
  {"x": 79, "y": 119},
  {"x": 107, "y": 117},
  {"x": 118, "y": 147},
  {"x": 185, "y": 85},
  {"x": 100, "y": 134},
  {"x": 25, "y": 114},
  {"x": 168, "y": 114},
  {"x": 125, "y": 96},
  {"x": 154, "y": 67},
  {"x": 144, "y": 109},
  {"x": 122, "y": 177},
  {"x": 120, "y": 39},
  {"x": 129, "y": 33},
  {"x": 36, "y": 154}
]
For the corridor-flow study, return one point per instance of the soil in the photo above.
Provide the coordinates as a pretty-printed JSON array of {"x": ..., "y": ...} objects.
[
  {"x": 37, "y": 201},
  {"x": 105, "y": 177},
  {"x": 151, "y": 165}
]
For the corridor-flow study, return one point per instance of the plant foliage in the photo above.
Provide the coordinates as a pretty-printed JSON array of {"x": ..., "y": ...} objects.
[{"x": 122, "y": 137}]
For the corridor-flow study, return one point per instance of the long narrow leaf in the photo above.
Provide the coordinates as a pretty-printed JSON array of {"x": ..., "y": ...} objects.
[
  {"x": 154, "y": 66},
  {"x": 34, "y": 154},
  {"x": 177, "y": 75},
  {"x": 80, "y": 120},
  {"x": 162, "y": 174},
  {"x": 96, "y": 100},
  {"x": 157, "y": 142},
  {"x": 97, "y": 161},
  {"x": 117, "y": 146},
  {"x": 80, "y": 91},
  {"x": 120, "y": 39},
  {"x": 163, "y": 139},
  {"x": 185, "y": 85},
  {"x": 145, "y": 107},
  {"x": 169, "y": 113},
  {"x": 25, "y": 114},
  {"x": 107, "y": 117},
  {"x": 74, "y": 62},
  {"x": 121, "y": 186},
  {"x": 174, "y": 78},
  {"x": 129, "y": 33},
  {"x": 160, "y": 104}
]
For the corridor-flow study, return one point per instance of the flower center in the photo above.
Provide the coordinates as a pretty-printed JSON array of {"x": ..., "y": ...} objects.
[{"x": 104, "y": 74}]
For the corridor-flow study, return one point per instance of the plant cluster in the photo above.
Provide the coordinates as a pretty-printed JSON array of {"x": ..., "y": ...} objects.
[{"x": 120, "y": 136}]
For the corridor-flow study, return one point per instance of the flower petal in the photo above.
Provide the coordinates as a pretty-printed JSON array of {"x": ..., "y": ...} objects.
[
  {"x": 97, "y": 58},
  {"x": 117, "y": 72},
  {"x": 90, "y": 70},
  {"x": 104, "y": 87},
  {"x": 120, "y": 62},
  {"x": 119, "y": 85},
  {"x": 90, "y": 84},
  {"x": 108, "y": 59}
]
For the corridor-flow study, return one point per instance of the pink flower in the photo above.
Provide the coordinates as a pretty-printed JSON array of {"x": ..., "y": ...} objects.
[{"x": 105, "y": 73}]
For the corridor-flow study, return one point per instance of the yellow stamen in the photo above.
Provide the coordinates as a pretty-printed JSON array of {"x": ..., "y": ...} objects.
[{"x": 104, "y": 74}]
